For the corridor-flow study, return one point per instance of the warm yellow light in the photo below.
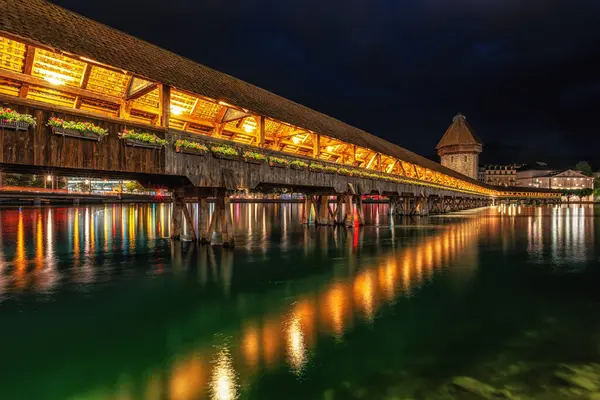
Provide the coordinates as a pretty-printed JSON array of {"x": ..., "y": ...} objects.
[
  {"x": 175, "y": 110},
  {"x": 49, "y": 178},
  {"x": 55, "y": 81},
  {"x": 249, "y": 125},
  {"x": 296, "y": 139}
]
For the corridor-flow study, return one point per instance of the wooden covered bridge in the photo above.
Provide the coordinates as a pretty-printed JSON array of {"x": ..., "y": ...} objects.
[{"x": 82, "y": 98}]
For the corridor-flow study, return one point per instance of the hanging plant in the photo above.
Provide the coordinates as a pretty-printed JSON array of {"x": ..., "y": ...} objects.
[
  {"x": 10, "y": 119},
  {"x": 142, "y": 139},
  {"x": 190, "y": 147},
  {"x": 225, "y": 152},
  {"x": 254, "y": 157},
  {"x": 278, "y": 162},
  {"x": 82, "y": 130},
  {"x": 299, "y": 165}
]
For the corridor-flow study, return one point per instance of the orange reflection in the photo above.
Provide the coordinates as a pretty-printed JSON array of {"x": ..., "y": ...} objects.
[{"x": 186, "y": 381}]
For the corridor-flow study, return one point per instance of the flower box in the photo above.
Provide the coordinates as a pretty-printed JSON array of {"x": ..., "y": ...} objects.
[
  {"x": 316, "y": 167},
  {"x": 254, "y": 158},
  {"x": 330, "y": 170},
  {"x": 144, "y": 145},
  {"x": 192, "y": 151},
  {"x": 225, "y": 152},
  {"x": 185, "y": 146},
  {"x": 144, "y": 140},
  {"x": 277, "y": 162},
  {"x": 15, "y": 125},
  {"x": 299, "y": 165},
  {"x": 76, "y": 134},
  {"x": 345, "y": 172},
  {"x": 10, "y": 119}
]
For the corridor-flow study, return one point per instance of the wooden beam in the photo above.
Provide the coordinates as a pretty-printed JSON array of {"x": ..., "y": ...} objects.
[
  {"x": 164, "y": 92},
  {"x": 84, "y": 82},
  {"x": 316, "y": 145},
  {"x": 29, "y": 57},
  {"x": 260, "y": 135},
  {"x": 371, "y": 161},
  {"x": 32, "y": 80},
  {"x": 141, "y": 92}
]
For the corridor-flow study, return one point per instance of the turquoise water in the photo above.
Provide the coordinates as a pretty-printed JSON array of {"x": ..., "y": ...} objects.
[{"x": 97, "y": 303}]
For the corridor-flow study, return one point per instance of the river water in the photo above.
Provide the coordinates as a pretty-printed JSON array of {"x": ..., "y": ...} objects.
[{"x": 97, "y": 303}]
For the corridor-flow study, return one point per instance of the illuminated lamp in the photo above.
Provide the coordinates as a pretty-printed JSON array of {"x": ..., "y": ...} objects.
[
  {"x": 296, "y": 139},
  {"x": 176, "y": 110},
  {"x": 249, "y": 125}
]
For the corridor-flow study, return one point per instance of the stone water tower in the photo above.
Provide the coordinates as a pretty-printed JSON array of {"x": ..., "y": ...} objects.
[{"x": 459, "y": 148}]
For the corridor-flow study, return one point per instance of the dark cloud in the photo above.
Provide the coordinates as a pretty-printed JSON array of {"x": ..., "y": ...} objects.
[{"x": 524, "y": 73}]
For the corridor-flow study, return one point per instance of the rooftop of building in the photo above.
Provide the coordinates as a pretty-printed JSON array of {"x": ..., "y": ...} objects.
[{"x": 459, "y": 133}]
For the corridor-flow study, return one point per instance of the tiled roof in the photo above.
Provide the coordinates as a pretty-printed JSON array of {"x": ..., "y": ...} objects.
[
  {"x": 459, "y": 133},
  {"x": 54, "y": 26}
]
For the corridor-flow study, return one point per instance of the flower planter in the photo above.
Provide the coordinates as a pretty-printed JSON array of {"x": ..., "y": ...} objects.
[
  {"x": 277, "y": 165},
  {"x": 187, "y": 150},
  {"x": 298, "y": 167},
  {"x": 77, "y": 134},
  {"x": 254, "y": 161},
  {"x": 316, "y": 169},
  {"x": 144, "y": 145},
  {"x": 16, "y": 126},
  {"x": 225, "y": 156}
]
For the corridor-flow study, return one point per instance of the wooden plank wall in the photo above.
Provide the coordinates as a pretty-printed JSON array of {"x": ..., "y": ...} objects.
[{"x": 40, "y": 147}]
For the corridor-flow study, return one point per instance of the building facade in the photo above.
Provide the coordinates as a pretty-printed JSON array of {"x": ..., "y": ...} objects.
[
  {"x": 501, "y": 175},
  {"x": 460, "y": 147}
]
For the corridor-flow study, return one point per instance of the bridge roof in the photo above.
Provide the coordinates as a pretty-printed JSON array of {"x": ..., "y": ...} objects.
[
  {"x": 459, "y": 133},
  {"x": 61, "y": 29}
]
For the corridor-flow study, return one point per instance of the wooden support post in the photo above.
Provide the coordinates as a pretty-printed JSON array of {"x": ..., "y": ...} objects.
[
  {"x": 176, "y": 218},
  {"x": 308, "y": 203},
  {"x": 339, "y": 218},
  {"x": 359, "y": 209},
  {"x": 228, "y": 241},
  {"x": 323, "y": 215},
  {"x": 188, "y": 219},
  {"x": 349, "y": 211},
  {"x": 316, "y": 145},
  {"x": 260, "y": 138},
  {"x": 165, "y": 105},
  {"x": 203, "y": 235}
]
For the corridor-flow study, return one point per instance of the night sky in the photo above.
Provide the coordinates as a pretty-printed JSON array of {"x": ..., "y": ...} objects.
[{"x": 525, "y": 73}]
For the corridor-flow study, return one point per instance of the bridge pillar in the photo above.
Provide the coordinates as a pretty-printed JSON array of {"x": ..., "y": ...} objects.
[
  {"x": 308, "y": 206},
  {"x": 359, "y": 209},
  {"x": 221, "y": 226},
  {"x": 349, "y": 211},
  {"x": 37, "y": 201},
  {"x": 176, "y": 219},
  {"x": 338, "y": 216},
  {"x": 203, "y": 234},
  {"x": 323, "y": 215}
]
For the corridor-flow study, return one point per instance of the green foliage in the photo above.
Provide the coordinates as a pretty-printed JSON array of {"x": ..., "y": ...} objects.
[
  {"x": 298, "y": 164},
  {"x": 597, "y": 187},
  {"x": 10, "y": 115},
  {"x": 568, "y": 193},
  {"x": 77, "y": 126},
  {"x": 344, "y": 171},
  {"x": 225, "y": 150},
  {"x": 330, "y": 169},
  {"x": 134, "y": 186},
  {"x": 315, "y": 167},
  {"x": 584, "y": 168},
  {"x": 252, "y": 155},
  {"x": 142, "y": 137},
  {"x": 189, "y": 144},
  {"x": 278, "y": 160}
]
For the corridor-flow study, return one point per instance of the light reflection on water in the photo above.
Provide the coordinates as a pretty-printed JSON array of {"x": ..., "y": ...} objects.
[{"x": 49, "y": 250}]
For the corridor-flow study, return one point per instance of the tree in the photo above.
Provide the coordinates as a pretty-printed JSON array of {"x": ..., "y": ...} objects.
[
  {"x": 584, "y": 168},
  {"x": 581, "y": 193},
  {"x": 597, "y": 187},
  {"x": 134, "y": 186}
]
